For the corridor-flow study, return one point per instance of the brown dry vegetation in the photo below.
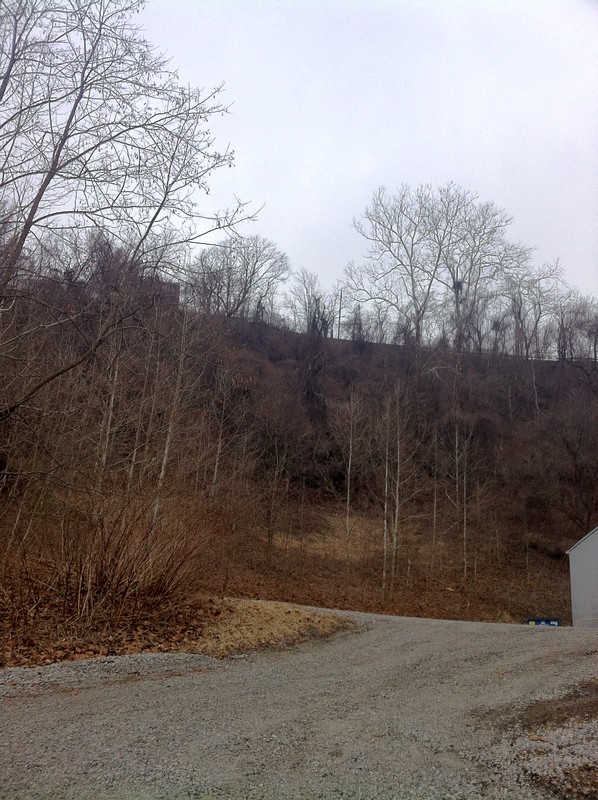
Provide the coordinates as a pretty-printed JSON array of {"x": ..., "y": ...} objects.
[
  {"x": 198, "y": 457},
  {"x": 312, "y": 570}
]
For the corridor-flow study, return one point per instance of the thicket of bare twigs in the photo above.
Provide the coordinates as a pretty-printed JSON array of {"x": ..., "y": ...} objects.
[{"x": 193, "y": 453}]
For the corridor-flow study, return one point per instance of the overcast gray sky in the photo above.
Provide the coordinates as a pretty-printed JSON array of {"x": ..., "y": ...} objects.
[{"x": 331, "y": 99}]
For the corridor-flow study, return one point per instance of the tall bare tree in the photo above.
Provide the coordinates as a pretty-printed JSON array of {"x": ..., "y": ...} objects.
[
  {"x": 238, "y": 277},
  {"x": 532, "y": 295},
  {"x": 403, "y": 261},
  {"x": 434, "y": 247},
  {"x": 96, "y": 133},
  {"x": 349, "y": 426},
  {"x": 312, "y": 309},
  {"x": 573, "y": 324}
]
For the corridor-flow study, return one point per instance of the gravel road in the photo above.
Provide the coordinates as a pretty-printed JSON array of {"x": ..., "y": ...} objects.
[{"x": 403, "y": 708}]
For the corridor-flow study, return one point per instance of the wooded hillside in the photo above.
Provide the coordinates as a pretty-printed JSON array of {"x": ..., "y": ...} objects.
[{"x": 193, "y": 450}]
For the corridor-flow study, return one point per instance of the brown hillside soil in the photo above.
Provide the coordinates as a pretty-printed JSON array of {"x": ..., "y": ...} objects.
[{"x": 503, "y": 583}]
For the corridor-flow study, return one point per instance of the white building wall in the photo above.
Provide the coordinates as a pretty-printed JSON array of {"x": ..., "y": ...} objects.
[{"x": 583, "y": 568}]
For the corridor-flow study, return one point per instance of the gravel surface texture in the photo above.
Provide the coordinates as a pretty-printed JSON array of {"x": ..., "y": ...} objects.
[{"x": 402, "y": 708}]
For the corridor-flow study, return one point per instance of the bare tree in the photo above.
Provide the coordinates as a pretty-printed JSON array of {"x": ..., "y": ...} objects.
[
  {"x": 349, "y": 425},
  {"x": 238, "y": 277},
  {"x": 429, "y": 246},
  {"x": 532, "y": 296},
  {"x": 397, "y": 445},
  {"x": 476, "y": 256},
  {"x": 402, "y": 263},
  {"x": 574, "y": 322},
  {"x": 95, "y": 129},
  {"x": 311, "y": 308},
  {"x": 95, "y": 133},
  {"x": 592, "y": 331}
]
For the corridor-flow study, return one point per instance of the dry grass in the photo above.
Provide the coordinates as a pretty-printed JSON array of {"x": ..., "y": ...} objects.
[
  {"x": 311, "y": 568},
  {"x": 247, "y": 625}
]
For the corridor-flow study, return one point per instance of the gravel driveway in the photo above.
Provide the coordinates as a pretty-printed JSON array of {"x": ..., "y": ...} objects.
[{"x": 403, "y": 708}]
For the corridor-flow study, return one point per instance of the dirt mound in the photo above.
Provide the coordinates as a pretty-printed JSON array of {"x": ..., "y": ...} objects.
[{"x": 215, "y": 627}]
